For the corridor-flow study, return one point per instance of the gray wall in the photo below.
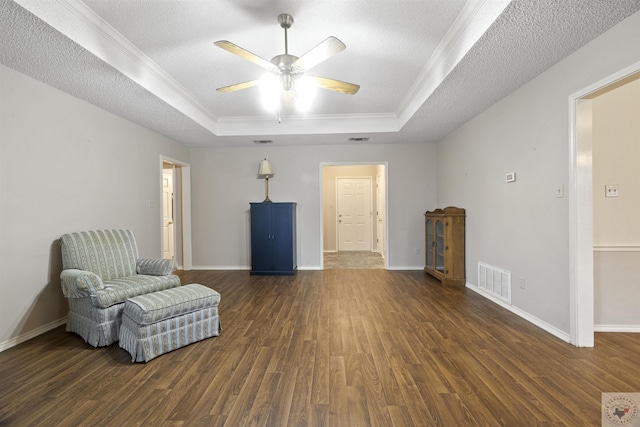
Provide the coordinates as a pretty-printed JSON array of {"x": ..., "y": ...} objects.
[
  {"x": 224, "y": 182},
  {"x": 65, "y": 165},
  {"x": 522, "y": 227}
]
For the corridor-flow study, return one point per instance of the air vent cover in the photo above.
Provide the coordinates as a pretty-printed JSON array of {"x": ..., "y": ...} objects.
[
  {"x": 262, "y": 141},
  {"x": 495, "y": 281}
]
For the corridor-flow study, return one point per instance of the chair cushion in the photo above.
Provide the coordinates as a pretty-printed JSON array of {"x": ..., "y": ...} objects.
[
  {"x": 118, "y": 290},
  {"x": 155, "y": 307},
  {"x": 155, "y": 267}
]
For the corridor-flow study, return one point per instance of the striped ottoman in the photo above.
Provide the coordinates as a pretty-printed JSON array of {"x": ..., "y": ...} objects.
[{"x": 159, "y": 322}]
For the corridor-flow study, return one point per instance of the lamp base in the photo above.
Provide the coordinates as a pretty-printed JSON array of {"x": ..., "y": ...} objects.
[{"x": 266, "y": 191}]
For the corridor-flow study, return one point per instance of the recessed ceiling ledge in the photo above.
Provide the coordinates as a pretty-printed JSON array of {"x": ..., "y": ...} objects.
[
  {"x": 362, "y": 123},
  {"x": 75, "y": 20},
  {"x": 474, "y": 20}
]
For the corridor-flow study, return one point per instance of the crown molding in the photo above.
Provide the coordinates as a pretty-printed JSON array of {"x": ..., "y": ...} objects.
[
  {"x": 78, "y": 22},
  {"x": 473, "y": 21},
  {"x": 305, "y": 125},
  {"x": 81, "y": 24}
]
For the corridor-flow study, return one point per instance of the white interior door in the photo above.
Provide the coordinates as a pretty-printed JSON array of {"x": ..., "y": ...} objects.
[
  {"x": 167, "y": 214},
  {"x": 354, "y": 214},
  {"x": 380, "y": 213}
]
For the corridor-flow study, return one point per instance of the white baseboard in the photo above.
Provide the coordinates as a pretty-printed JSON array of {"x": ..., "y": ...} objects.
[
  {"x": 32, "y": 334},
  {"x": 564, "y": 336},
  {"x": 243, "y": 267},
  {"x": 617, "y": 328},
  {"x": 222, "y": 267}
]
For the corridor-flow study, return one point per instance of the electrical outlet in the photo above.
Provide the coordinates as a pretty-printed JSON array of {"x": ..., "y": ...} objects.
[
  {"x": 521, "y": 282},
  {"x": 417, "y": 251},
  {"x": 611, "y": 190}
]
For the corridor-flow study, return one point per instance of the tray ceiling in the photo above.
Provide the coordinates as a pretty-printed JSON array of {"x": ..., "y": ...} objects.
[{"x": 424, "y": 67}]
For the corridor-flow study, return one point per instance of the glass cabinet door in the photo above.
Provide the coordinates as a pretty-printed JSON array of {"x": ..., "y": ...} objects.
[
  {"x": 429, "y": 242},
  {"x": 439, "y": 245}
]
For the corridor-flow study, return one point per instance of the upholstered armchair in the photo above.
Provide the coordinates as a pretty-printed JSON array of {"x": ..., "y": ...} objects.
[{"x": 101, "y": 269}]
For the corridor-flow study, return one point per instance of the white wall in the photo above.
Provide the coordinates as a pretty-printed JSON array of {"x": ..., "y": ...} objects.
[
  {"x": 521, "y": 226},
  {"x": 224, "y": 182},
  {"x": 616, "y": 160},
  {"x": 65, "y": 165},
  {"x": 616, "y": 233}
]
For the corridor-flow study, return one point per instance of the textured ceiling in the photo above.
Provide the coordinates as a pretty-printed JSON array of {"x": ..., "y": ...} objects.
[{"x": 425, "y": 67}]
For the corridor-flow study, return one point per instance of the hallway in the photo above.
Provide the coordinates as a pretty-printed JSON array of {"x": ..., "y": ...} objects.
[{"x": 353, "y": 260}]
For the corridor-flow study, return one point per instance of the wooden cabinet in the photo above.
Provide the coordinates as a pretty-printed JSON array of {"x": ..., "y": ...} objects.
[
  {"x": 444, "y": 241},
  {"x": 273, "y": 239}
]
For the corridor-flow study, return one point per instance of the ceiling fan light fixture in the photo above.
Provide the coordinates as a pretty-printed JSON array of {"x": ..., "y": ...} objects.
[
  {"x": 286, "y": 72},
  {"x": 271, "y": 91}
]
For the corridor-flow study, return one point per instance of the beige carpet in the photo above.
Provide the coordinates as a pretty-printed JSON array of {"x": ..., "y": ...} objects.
[{"x": 353, "y": 260}]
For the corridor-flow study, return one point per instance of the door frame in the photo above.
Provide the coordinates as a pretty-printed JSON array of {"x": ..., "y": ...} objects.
[
  {"x": 384, "y": 216},
  {"x": 183, "y": 204},
  {"x": 171, "y": 170},
  {"x": 338, "y": 178},
  {"x": 581, "y": 274},
  {"x": 321, "y": 166}
]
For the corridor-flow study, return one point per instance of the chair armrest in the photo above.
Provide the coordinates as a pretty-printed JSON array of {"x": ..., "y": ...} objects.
[
  {"x": 155, "y": 267},
  {"x": 79, "y": 283}
]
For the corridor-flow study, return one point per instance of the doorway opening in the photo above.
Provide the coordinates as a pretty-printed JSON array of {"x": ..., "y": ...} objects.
[
  {"x": 581, "y": 248},
  {"x": 354, "y": 206},
  {"x": 175, "y": 211}
]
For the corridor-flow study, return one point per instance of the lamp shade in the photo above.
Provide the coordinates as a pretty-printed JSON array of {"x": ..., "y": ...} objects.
[{"x": 265, "y": 170}]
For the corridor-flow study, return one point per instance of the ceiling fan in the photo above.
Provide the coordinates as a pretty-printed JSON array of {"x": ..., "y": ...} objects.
[{"x": 290, "y": 69}]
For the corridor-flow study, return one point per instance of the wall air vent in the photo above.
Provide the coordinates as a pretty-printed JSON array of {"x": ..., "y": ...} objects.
[
  {"x": 359, "y": 139},
  {"x": 262, "y": 141},
  {"x": 495, "y": 281}
]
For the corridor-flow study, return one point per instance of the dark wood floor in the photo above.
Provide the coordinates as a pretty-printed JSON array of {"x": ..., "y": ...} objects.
[{"x": 327, "y": 348}]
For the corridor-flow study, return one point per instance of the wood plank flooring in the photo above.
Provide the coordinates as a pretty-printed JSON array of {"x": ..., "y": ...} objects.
[{"x": 327, "y": 348}]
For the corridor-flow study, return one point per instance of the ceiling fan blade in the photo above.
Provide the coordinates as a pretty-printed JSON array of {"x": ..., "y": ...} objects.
[
  {"x": 238, "y": 86},
  {"x": 335, "y": 85},
  {"x": 243, "y": 53},
  {"x": 323, "y": 51}
]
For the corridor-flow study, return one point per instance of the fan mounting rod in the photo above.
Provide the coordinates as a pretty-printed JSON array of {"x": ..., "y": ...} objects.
[
  {"x": 286, "y": 21},
  {"x": 285, "y": 61}
]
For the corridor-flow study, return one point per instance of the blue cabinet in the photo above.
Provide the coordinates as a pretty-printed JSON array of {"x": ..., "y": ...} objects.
[{"x": 273, "y": 239}]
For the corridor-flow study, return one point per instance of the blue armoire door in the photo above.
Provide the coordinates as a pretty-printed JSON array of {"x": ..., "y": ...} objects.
[{"x": 273, "y": 238}]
